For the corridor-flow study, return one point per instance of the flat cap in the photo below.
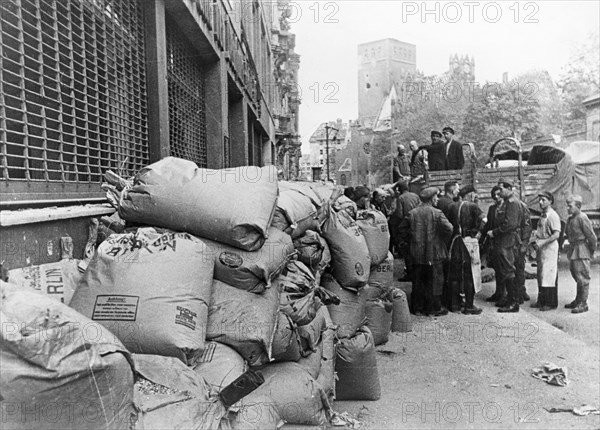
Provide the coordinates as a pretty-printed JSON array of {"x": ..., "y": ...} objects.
[
  {"x": 466, "y": 190},
  {"x": 360, "y": 192},
  {"x": 436, "y": 133},
  {"x": 547, "y": 195},
  {"x": 505, "y": 183},
  {"x": 427, "y": 193}
]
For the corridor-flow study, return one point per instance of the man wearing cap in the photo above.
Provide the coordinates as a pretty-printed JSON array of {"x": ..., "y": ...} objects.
[
  {"x": 405, "y": 202},
  {"x": 455, "y": 159},
  {"x": 429, "y": 230},
  {"x": 467, "y": 220},
  {"x": 582, "y": 244},
  {"x": 436, "y": 152},
  {"x": 546, "y": 241},
  {"x": 507, "y": 239},
  {"x": 418, "y": 167},
  {"x": 401, "y": 168}
]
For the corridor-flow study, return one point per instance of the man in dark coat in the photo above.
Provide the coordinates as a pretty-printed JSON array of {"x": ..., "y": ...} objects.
[
  {"x": 405, "y": 202},
  {"x": 467, "y": 220},
  {"x": 507, "y": 240},
  {"x": 455, "y": 159},
  {"x": 451, "y": 190},
  {"x": 436, "y": 152},
  {"x": 488, "y": 243},
  {"x": 428, "y": 230}
]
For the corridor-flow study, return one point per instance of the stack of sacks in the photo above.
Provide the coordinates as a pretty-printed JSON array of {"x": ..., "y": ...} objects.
[
  {"x": 302, "y": 350},
  {"x": 375, "y": 229},
  {"x": 348, "y": 316},
  {"x": 57, "y": 361}
]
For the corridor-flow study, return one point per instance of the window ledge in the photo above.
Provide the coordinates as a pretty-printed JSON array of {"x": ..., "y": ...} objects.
[{"x": 32, "y": 216}]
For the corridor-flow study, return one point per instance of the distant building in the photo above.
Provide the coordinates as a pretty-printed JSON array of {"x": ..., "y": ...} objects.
[
  {"x": 352, "y": 161},
  {"x": 381, "y": 65},
  {"x": 462, "y": 68},
  {"x": 305, "y": 168},
  {"x": 339, "y": 136},
  {"x": 592, "y": 105}
]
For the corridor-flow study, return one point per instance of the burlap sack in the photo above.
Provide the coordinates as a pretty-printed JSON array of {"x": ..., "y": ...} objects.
[
  {"x": 244, "y": 321},
  {"x": 382, "y": 275},
  {"x": 401, "y": 319},
  {"x": 350, "y": 260},
  {"x": 286, "y": 341},
  {"x": 349, "y": 314},
  {"x": 374, "y": 227},
  {"x": 326, "y": 376},
  {"x": 251, "y": 270},
  {"x": 313, "y": 251},
  {"x": 59, "y": 369},
  {"x": 152, "y": 290},
  {"x": 232, "y": 206},
  {"x": 356, "y": 367},
  {"x": 379, "y": 319},
  {"x": 299, "y": 211}
]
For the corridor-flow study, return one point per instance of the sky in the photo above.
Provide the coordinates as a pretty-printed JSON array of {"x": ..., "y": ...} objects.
[{"x": 503, "y": 36}]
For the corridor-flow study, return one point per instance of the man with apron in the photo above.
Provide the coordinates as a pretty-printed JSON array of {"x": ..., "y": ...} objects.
[
  {"x": 546, "y": 240},
  {"x": 464, "y": 276}
]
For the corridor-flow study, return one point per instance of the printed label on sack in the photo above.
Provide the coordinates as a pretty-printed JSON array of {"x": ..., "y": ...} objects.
[
  {"x": 115, "y": 307},
  {"x": 231, "y": 259},
  {"x": 186, "y": 317},
  {"x": 384, "y": 268},
  {"x": 208, "y": 353}
]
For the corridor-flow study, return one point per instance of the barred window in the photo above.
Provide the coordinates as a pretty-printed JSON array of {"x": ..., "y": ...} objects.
[
  {"x": 187, "y": 98},
  {"x": 73, "y": 95}
]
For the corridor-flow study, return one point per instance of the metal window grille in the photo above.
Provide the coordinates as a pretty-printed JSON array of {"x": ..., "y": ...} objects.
[
  {"x": 187, "y": 98},
  {"x": 73, "y": 95}
]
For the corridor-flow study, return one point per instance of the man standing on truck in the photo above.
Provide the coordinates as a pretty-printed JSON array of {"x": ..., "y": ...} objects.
[
  {"x": 582, "y": 244},
  {"x": 436, "y": 152},
  {"x": 506, "y": 241},
  {"x": 455, "y": 159},
  {"x": 546, "y": 240},
  {"x": 401, "y": 169}
]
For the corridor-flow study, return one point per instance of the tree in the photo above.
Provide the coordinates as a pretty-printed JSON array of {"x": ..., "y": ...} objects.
[{"x": 580, "y": 79}]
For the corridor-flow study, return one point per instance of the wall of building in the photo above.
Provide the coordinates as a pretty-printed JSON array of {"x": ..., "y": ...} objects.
[{"x": 187, "y": 78}]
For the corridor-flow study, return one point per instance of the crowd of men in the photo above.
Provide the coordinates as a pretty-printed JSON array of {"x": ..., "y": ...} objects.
[{"x": 439, "y": 235}]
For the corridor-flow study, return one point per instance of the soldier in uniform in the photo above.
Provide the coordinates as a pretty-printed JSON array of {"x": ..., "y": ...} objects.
[
  {"x": 507, "y": 239},
  {"x": 582, "y": 244}
]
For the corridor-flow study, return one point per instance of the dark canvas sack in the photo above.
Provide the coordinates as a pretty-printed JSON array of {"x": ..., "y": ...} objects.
[
  {"x": 374, "y": 227},
  {"x": 244, "y": 321},
  {"x": 356, "y": 367},
  {"x": 350, "y": 260},
  {"x": 349, "y": 314},
  {"x": 151, "y": 290},
  {"x": 232, "y": 206},
  {"x": 251, "y": 270}
]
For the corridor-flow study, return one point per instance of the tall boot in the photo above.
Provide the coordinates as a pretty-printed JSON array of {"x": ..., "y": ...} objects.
[
  {"x": 582, "y": 306},
  {"x": 575, "y": 302},
  {"x": 512, "y": 296}
]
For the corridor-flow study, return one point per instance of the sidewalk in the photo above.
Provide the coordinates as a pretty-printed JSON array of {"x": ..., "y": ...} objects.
[{"x": 465, "y": 371}]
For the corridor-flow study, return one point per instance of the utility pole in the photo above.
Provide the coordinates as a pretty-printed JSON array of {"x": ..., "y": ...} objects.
[{"x": 327, "y": 128}]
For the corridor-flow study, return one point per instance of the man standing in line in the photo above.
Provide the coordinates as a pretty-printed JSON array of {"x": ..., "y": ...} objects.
[
  {"x": 429, "y": 230},
  {"x": 418, "y": 167},
  {"x": 405, "y": 202},
  {"x": 489, "y": 246},
  {"x": 455, "y": 159},
  {"x": 525, "y": 232},
  {"x": 451, "y": 190},
  {"x": 468, "y": 220},
  {"x": 401, "y": 165},
  {"x": 546, "y": 240},
  {"x": 582, "y": 244},
  {"x": 506, "y": 240}
]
